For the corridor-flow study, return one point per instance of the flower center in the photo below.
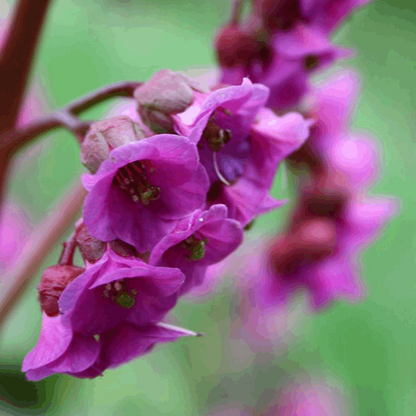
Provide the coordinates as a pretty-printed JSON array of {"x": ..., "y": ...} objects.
[
  {"x": 195, "y": 247},
  {"x": 214, "y": 135},
  {"x": 132, "y": 180},
  {"x": 120, "y": 294},
  {"x": 311, "y": 62}
]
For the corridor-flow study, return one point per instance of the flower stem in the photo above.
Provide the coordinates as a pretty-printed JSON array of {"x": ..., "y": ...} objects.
[
  {"x": 16, "y": 59},
  {"x": 42, "y": 241},
  {"x": 13, "y": 140},
  {"x": 67, "y": 255},
  {"x": 236, "y": 11},
  {"x": 17, "y": 55}
]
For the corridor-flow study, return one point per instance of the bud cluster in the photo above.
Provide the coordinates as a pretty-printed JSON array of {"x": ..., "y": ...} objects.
[
  {"x": 281, "y": 43},
  {"x": 334, "y": 218},
  {"x": 170, "y": 191}
]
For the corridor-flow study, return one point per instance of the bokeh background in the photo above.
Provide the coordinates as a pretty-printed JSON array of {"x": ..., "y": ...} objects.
[{"x": 364, "y": 354}]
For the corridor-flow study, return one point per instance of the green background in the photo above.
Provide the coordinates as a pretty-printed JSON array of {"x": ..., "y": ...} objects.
[{"x": 366, "y": 351}]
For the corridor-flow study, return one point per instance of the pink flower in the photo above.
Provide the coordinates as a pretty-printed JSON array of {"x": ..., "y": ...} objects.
[
  {"x": 142, "y": 189},
  {"x": 119, "y": 289},
  {"x": 323, "y": 14},
  {"x": 203, "y": 239},
  {"x": 60, "y": 350},
  {"x": 334, "y": 218},
  {"x": 241, "y": 145}
]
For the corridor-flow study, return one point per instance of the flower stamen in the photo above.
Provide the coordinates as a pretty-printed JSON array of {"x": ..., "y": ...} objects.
[
  {"x": 120, "y": 294},
  {"x": 195, "y": 247},
  {"x": 132, "y": 180}
]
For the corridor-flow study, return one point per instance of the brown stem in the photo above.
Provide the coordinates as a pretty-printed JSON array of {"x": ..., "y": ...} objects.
[
  {"x": 16, "y": 58},
  {"x": 42, "y": 241},
  {"x": 237, "y": 9},
  {"x": 13, "y": 140},
  {"x": 67, "y": 255},
  {"x": 78, "y": 127},
  {"x": 17, "y": 55}
]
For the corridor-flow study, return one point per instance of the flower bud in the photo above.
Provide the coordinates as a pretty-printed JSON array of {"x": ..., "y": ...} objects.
[
  {"x": 104, "y": 136},
  {"x": 123, "y": 249},
  {"x": 90, "y": 247},
  {"x": 314, "y": 240},
  {"x": 54, "y": 280},
  {"x": 234, "y": 46},
  {"x": 164, "y": 94}
]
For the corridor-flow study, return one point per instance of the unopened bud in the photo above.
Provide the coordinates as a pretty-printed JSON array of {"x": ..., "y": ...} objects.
[
  {"x": 165, "y": 93},
  {"x": 123, "y": 249},
  {"x": 234, "y": 46},
  {"x": 54, "y": 280},
  {"x": 90, "y": 247},
  {"x": 106, "y": 135}
]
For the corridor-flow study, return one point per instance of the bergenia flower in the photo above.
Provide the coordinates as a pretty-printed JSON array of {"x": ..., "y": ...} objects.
[
  {"x": 321, "y": 253},
  {"x": 295, "y": 56},
  {"x": 119, "y": 289},
  {"x": 241, "y": 145},
  {"x": 281, "y": 44},
  {"x": 128, "y": 341},
  {"x": 203, "y": 239},
  {"x": 328, "y": 14},
  {"x": 142, "y": 188},
  {"x": 60, "y": 350},
  {"x": 325, "y": 15},
  {"x": 334, "y": 219}
]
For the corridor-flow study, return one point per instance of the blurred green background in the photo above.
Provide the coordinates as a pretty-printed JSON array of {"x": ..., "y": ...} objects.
[{"x": 367, "y": 350}]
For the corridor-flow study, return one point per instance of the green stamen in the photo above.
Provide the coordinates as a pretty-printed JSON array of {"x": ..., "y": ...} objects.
[
  {"x": 198, "y": 251},
  {"x": 124, "y": 300}
]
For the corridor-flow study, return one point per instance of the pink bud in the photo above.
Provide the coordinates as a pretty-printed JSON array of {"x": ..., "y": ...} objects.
[
  {"x": 90, "y": 247},
  {"x": 54, "y": 280},
  {"x": 104, "y": 136},
  {"x": 168, "y": 92}
]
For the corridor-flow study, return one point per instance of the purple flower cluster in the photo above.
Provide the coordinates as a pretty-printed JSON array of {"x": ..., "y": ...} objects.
[
  {"x": 334, "y": 218},
  {"x": 168, "y": 195},
  {"x": 281, "y": 43}
]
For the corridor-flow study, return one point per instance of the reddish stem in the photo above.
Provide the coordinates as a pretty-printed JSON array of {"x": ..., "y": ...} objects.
[
  {"x": 16, "y": 58},
  {"x": 237, "y": 9},
  {"x": 13, "y": 140},
  {"x": 67, "y": 255},
  {"x": 17, "y": 55}
]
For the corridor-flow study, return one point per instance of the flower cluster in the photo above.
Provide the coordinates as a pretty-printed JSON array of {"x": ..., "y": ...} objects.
[
  {"x": 169, "y": 194},
  {"x": 334, "y": 217},
  {"x": 281, "y": 43}
]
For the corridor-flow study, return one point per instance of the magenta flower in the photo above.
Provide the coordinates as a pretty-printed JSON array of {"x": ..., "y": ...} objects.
[
  {"x": 241, "y": 145},
  {"x": 293, "y": 56},
  {"x": 142, "y": 189},
  {"x": 128, "y": 341},
  {"x": 322, "y": 255},
  {"x": 334, "y": 219},
  {"x": 118, "y": 289},
  {"x": 281, "y": 44},
  {"x": 296, "y": 55},
  {"x": 323, "y": 14},
  {"x": 328, "y": 14},
  {"x": 203, "y": 239},
  {"x": 59, "y": 350}
]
